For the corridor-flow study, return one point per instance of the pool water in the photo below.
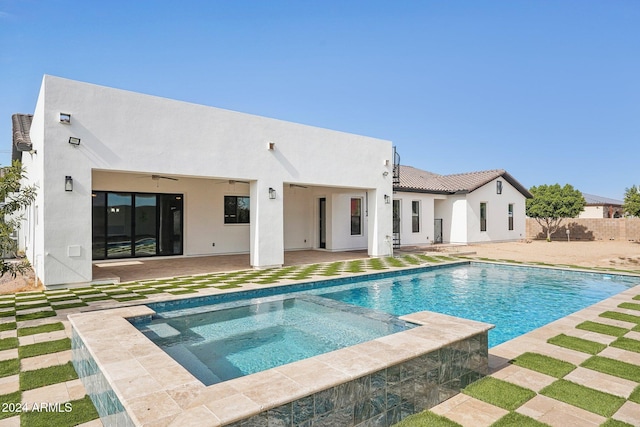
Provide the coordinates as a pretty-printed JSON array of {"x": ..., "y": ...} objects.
[
  {"x": 515, "y": 299},
  {"x": 218, "y": 338},
  {"x": 225, "y": 342}
]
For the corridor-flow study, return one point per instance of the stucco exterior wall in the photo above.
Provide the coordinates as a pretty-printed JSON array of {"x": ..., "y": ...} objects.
[
  {"x": 497, "y": 213},
  {"x": 425, "y": 235},
  {"x": 128, "y": 132}
]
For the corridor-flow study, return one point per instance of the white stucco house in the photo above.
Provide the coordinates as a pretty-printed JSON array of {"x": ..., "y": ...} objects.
[
  {"x": 123, "y": 174},
  {"x": 475, "y": 207},
  {"x": 601, "y": 207}
]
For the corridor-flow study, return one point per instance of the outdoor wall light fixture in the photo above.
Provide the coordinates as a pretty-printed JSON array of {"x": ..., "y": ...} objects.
[
  {"x": 68, "y": 183},
  {"x": 387, "y": 199},
  {"x": 271, "y": 146},
  {"x": 74, "y": 141},
  {"x": 65, "y": 118},
  {"x": 385, "y": 173},
  {"x": 272, "y": 193}
]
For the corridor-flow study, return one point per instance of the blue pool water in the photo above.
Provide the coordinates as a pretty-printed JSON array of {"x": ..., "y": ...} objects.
[
  {"x": 222, "y": 337},
  {"x": 515, "y": 299},
  {"x": 223, "y": 342}
]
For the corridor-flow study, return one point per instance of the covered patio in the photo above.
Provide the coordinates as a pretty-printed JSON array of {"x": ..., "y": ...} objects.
[{"x": 126, "y": 270}]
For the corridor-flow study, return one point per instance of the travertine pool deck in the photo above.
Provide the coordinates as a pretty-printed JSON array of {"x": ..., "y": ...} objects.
[{"x": 156, "y": 390}]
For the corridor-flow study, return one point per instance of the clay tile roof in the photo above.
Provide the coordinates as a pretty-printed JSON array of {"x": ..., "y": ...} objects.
[
  {"x": 21, "y": 139},
  {"x": 416, "y": 180}
]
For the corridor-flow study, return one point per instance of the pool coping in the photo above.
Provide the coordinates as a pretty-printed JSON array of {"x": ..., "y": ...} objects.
[{"x": 153, "y": 388}]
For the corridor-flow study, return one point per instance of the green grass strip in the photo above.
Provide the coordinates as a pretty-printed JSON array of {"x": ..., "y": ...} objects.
[
  {"x": 8, "y": 343},
  {"x": 426, "y": 419},
  {"x": 96, "y": 298},
  {"x": 636, "y": 329},
  {"x": 130, "y": 298},
  {"x": 615, "y": 423},
  {"x": 515, "y": 419},
  {"x": 11, "y": 400},
  {"x": 232, "y": 286},
  {"x": 33, "y": 330},
  {"x": 621, "y": 316},
  {"x": 629, "y": 306},
  {"x": 431, "y": 259},
  {"x": 637, "y": 298},
  {"x": 47, "y": 347},
  {"x": 613, "y": 367},
  {"x": 544, "y": 364},
  {"x": 8, "y": 326},
  {"x": 70, "y": 305},
  {"x": 591, "y": 400},
  {"x": 182, "y": 291},
  {"x": 499, "y": 393},
  {"x": 69, "y": 414},
  {"x": 332, "y": 269},
  {"x": 8, "y": 313},
  {"x": 635, "y": 395},
  {"x": 626, "y": 344},
  {"x": 376, "y": 264},
  {"x": 36, "y": 315},
  {"x": 62, "y": 298},
  {"x": 8, "y": 305},
  {"x": 355, "y": 266},
  {"x": 601, "y": 328},
  {"x": 9, "y": 367},
  {"x": 47, "y": 376},
  {"x": 410, "y": 259},
  {"x": 394, "y": 262},
  {"x": 578, "y": 344},
  {"x": 29, "y": 306}
]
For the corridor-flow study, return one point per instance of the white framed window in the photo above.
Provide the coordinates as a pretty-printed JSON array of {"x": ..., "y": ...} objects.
[
  {"x": 415, "y": 216},
  {"x": 356, "y": 216}
]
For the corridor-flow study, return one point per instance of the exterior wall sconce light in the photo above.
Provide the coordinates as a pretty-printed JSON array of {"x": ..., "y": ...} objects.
[
  {"x": 498, "y": 187},
  {"x": 387, "y": 199},
  {"x": 65, "y": 118},
  {"x": 272, "y": 193},
  {"x": 385, "y": 173},
  {"x": 74, "y": 141},
  {"x": 68, "y": 183},
  {"x": 271, "y": 146}
]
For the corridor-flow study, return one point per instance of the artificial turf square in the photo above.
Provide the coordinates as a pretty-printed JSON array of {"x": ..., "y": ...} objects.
[
  {"x": 10, "y": 400},
  {"x": 130, "y": 298},
  {"x": 635, "y": 395},
  {"x": 626, "y": 344},
  {"x": 544, "y": 364},
  {"x": 41, "y": 348},
  {"x": 71, "y": 414},
  {"x": 47, "y": 376},
  {"x": 615, "y": 423},
  {"x": 601, "y": 328},
  {"x": 629, "y": 306},
  {"x": 9, "y": 367},
  {"x": 426, "y": 419},
  {"x": 8, "y": 326},
  {"x": 499, "y": 393},
  {"x": 621, "y": 316},
  {"x": 516, "y": 419},
  {"x": 613, "y": 367},
  {"x": 70, "y": 305},
  {"x": 591, "y": 400},
  {"x": 8, "y": 343},
  {"x": 33, "y": 330},
  {"x": 36, "y": 315},
  {"x": 578, "y": 344}
]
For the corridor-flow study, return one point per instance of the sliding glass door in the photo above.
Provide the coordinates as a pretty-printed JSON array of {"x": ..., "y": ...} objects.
[{"x": 136, "y": 224}]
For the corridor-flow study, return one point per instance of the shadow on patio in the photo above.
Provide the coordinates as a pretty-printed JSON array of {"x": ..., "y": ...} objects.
[{"x": 126, "y": 270}]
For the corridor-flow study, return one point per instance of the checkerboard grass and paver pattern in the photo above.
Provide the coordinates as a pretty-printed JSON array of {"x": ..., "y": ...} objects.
[
  {"x": 509, "y": 396},
  {"x": 35, "y": 353},
  {"x": 35, "y": 349}
]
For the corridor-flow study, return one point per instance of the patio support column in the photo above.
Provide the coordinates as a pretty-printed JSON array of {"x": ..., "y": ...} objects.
[
  {"x": 266, "y": 225},
  {"x": 380, "y": 238}
]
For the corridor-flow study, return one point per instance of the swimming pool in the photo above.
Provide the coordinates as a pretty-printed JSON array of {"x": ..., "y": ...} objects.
[
  {"x": 515, "y": 299},
  {"x": 227, "y": 341}
]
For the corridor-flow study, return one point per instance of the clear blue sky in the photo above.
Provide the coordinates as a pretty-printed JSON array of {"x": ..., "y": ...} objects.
[{"x": 548, "y": 90}]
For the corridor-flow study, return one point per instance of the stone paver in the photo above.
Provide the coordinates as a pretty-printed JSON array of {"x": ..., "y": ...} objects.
[
  {"x": 559, "y": 414},
  {"x": 629, "y": 413},
  {"x": 603, "y": 382},
  {"x": 472, "y": 412}
]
